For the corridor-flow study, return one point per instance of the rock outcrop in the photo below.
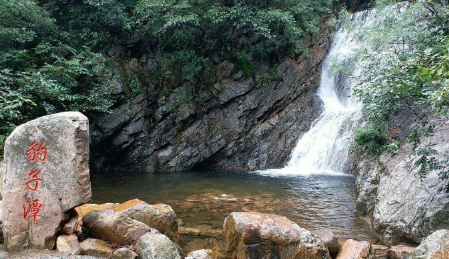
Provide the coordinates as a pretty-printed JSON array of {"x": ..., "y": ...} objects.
[
  {"x": 46, "y": 175},
  {"x": 251, "y": 235},
  {"x": 403, "y": 205},
  {"x": 236, "y": 124},
  {"x": 114, "y": 226}
]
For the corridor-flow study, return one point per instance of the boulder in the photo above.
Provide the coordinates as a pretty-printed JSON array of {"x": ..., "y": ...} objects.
[
  {"x": 329, "y": 239},
  {"x": 124, "y": 253},
  {"x": 354, "y": 250},
  {"x": 252, "y": 235},
  {"x": 157, "y": 246},
  {"x": 95, "y": 247},
  {"x": 160, "y": 216},
  {"x": 378, "y": 252},
  {"x": 435, "y": 246},
  {"x": 200, "y": 254},
  {"x": 400, "y": 252},
  {"x": 114, "y": 226},
  {"x": 46, "y": 175},
  {"x": 68, "y": 244}
]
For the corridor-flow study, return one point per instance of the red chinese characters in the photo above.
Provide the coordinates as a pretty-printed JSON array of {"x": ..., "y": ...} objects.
[
  {"x": 31, "y": 209},
  {"x": 33, "y": 184},
  {"x": 35, "y": 152}
]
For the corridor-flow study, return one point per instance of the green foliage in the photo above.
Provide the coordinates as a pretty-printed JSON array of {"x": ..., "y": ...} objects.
[
  {"x": 404, "y": 67},
  {"x": 39, "y": 73},
  {"x": 372, "y": 139},
  {"x": 244, "y": 32}
]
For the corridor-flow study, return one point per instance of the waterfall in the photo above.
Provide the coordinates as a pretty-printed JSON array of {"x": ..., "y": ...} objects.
[{"x": 324, "y": 148}]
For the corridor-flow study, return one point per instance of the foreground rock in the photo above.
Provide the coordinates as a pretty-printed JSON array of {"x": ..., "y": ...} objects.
[
  {"x": 200, "y": 254},
  {"x": 251, "y": 235},
  {"x": 354, "y": 250},
  {"x": 68, "y": 244},
  {"x": 114, "y": 226},
  {"x": 124, "y": 253},
  {"x": 160, "y": 216},
  {"x": 95, "y": 247},
  {"x": 404, "y": 207},
  {"x": 435, "y": 246},
  {"x": 46, "y": 174},
  {"x": 329, "y": 239},
  {"x": 157, "y": 246},
  {"x": 400, "y": 252}
]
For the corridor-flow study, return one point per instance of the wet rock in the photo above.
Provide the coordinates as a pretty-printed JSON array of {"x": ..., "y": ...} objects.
[
  {"x": 114, "y": 226},
  {"x": 68, "y": 244},
  {"x": 95, "y": 247},
  {"x": 354, "y": 250},
  {"x": 200, "y": 254},
  {"x": 47, "y": 173},
  {"x": 434, "y": 246},
  {"x": 378, "y": 252},
  {"x": 124, "y": 253},
  {"x": 157, "y": 246},
  {"x": 160, "y": 216},
  {"x": 252, "y": 235},
  {"x": 329, "y": 239},
  {"x": 400, "y": 252}
]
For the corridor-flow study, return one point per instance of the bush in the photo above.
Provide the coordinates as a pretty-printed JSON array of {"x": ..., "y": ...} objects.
[{"x": 372, "y": 139}]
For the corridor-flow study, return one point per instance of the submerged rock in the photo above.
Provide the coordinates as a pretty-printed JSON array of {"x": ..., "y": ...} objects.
[
  {"x": 46, "y": 175},
  {"x": 160, "y": 216},
  {"x": 114, "y": 226},
  {"x": 354, "y": 250},
  {"x": 95, "y": 247},
  {"x": 435, "y": 246},
  {"x": 157, "y": 246},
  {"x": 252, "y": 235}
]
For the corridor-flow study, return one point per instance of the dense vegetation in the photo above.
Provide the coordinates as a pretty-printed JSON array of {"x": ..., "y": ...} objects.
[
  {"x": 52, "y": 51},
  {"x": 405, "y": 70}
]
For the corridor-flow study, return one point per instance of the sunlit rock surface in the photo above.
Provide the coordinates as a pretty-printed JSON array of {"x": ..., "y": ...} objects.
[
  {"x": 46, "y": 175},
  {"x": 252, "y": 235}
]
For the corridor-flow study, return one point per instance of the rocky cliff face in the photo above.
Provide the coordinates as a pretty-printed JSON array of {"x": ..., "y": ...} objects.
[
  {"x": 238, "y": 124},
  {"x": 402, "y": 205}
]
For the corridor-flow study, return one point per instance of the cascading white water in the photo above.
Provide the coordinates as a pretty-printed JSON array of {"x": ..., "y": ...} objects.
[{"x": 324, "y": 148}]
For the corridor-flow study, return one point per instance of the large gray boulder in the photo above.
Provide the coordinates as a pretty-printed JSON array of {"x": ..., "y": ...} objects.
[
  {"x": 252, "y": 235},
  {"x": 46, "y": 175},
  {"x": 157, "y": 246},
  {"x": 160, "y": 216},
  {"x": 114, "y": 226},
  {"x": 404, "y": 206},
  {"x": 435, "y": 246}
]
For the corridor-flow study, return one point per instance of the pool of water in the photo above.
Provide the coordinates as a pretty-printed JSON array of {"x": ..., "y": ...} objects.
[{"x": 202, "y": 200}]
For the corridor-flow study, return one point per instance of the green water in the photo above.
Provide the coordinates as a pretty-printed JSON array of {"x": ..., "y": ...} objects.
[{"x": 202, "y": 200}]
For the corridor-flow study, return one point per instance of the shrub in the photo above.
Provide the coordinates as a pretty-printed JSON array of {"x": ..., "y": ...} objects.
[{"x": 372, "y": 139}]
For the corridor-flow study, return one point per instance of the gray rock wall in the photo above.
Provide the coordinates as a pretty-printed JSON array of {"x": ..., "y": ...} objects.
[
  {"x": 236, "y": 124},
  {"x": 403, "y": 206}
]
